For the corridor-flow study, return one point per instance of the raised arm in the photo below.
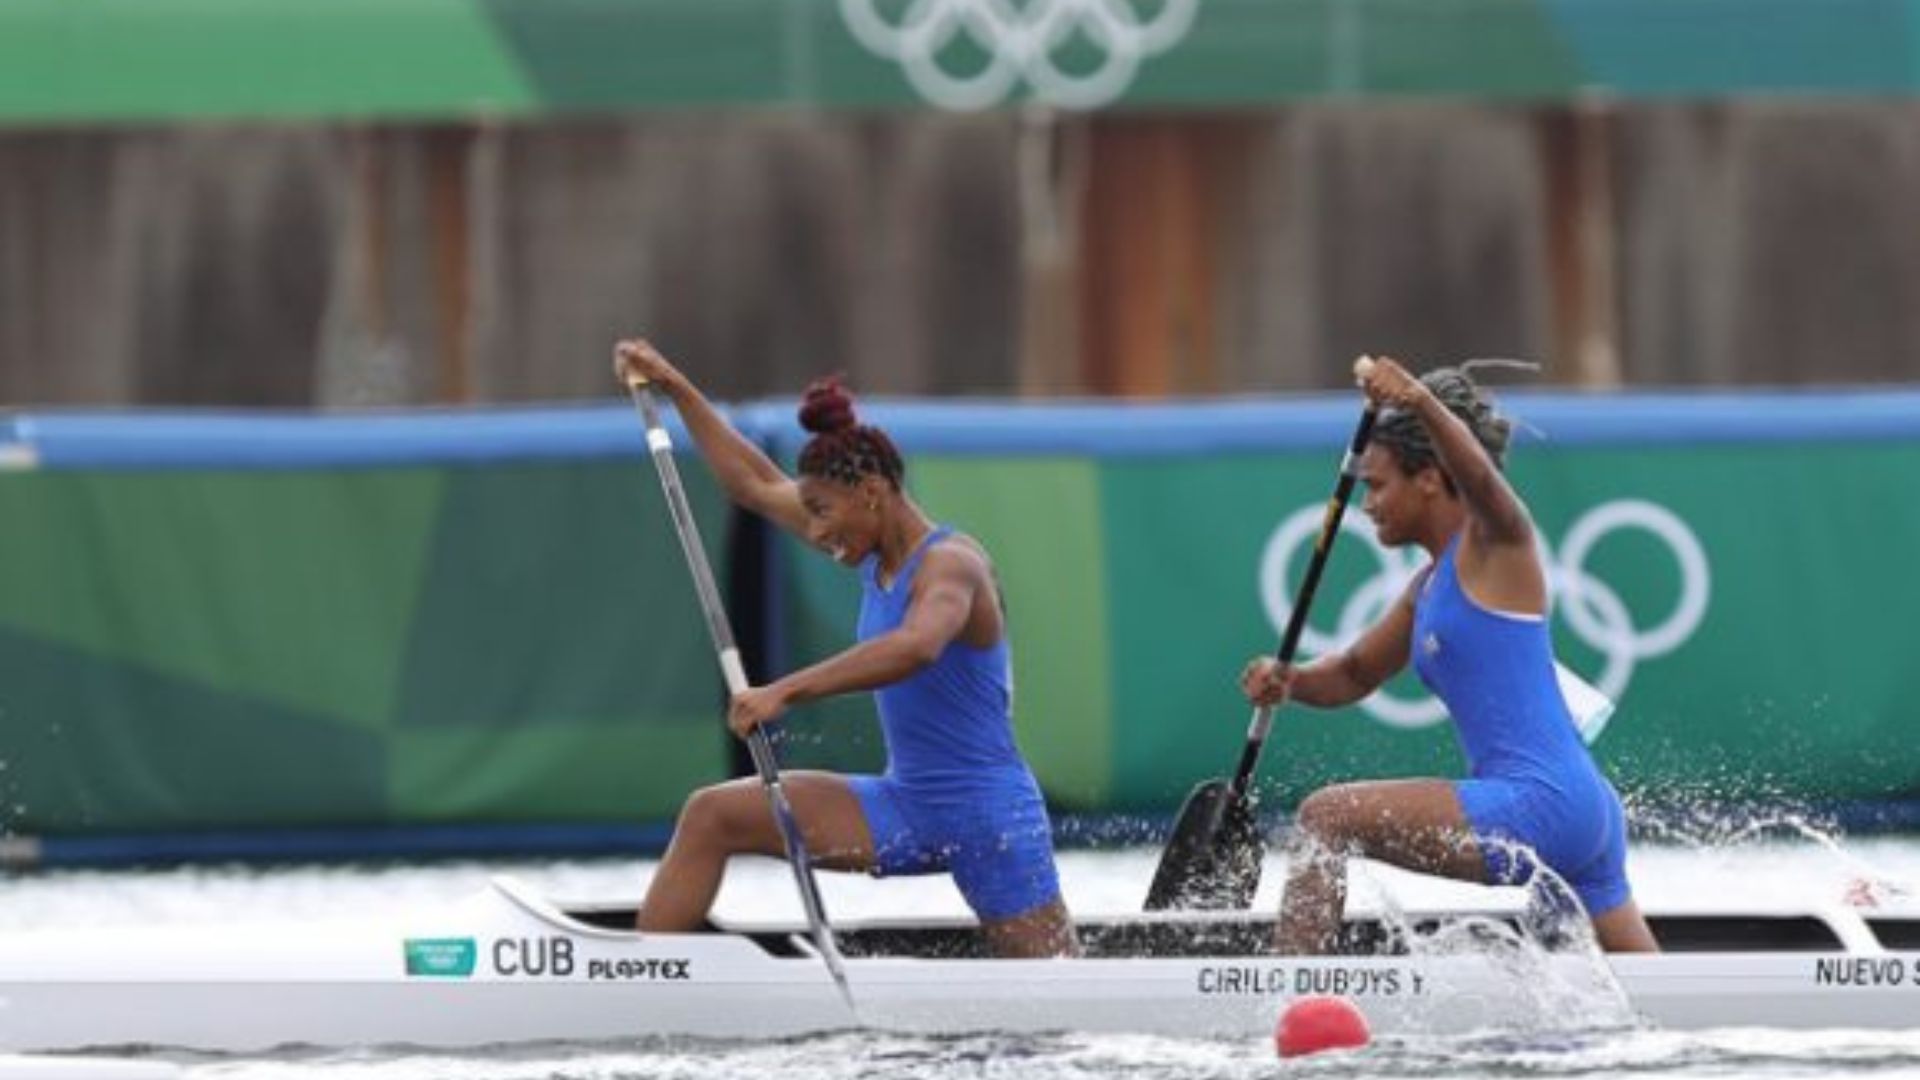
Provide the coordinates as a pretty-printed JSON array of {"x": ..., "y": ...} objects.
[
  {"x": 746, "y": 474},
  {"x": 1496, "y": 514}
]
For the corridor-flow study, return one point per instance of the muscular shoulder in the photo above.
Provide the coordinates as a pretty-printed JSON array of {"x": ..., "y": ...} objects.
[{"x": 957, "y": 555}]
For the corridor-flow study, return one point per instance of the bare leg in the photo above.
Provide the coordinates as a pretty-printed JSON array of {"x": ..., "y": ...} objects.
[
  {"x": 1313, "y": 898},
  {"x": 735, "y": 818},
  {"x": 1624, "y": 930},
  {"x": 1043, "y": 931},
  {"x": 1415, "y": 824}
]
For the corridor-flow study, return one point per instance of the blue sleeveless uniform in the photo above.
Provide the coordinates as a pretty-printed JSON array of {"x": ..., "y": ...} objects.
[
  {"x": 957, "y": 796},
  {"x": 1534, "y": 791}
]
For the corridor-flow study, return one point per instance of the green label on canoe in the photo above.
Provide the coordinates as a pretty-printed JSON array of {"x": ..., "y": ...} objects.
[{"x": 446, "y": 958}]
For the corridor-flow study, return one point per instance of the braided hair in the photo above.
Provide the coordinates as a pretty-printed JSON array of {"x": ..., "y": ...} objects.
[
  {"x": 843, "y": 449},
  {"x": 1407, "y": 436}
]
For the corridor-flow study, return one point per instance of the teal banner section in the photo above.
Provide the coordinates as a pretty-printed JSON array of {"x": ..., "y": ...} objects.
[{"x": 69, "y": 61}]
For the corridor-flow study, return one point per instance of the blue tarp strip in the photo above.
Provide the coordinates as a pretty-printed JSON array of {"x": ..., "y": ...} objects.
[
  {"x": 222, "y": 440},
  {"x": 238, "y": 440}
]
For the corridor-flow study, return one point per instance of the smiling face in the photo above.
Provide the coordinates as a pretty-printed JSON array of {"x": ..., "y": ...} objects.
[
  {"x": 843, "y": 520},
  {"x": 1398, "y": 502}
]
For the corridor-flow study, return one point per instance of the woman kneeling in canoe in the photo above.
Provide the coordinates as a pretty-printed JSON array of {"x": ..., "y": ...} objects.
[
  {"x": 1474, "y": 624},
  {"x": 957, "y": 797}
]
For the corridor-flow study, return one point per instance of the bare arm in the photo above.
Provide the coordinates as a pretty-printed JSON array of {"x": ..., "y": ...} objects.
[
  {"x": 746, "y": 474},
  {"x": 1499, "y": 566},
  {"x": 1343, "y": 677},
  {"x": 944, "y": 590},
  {"x": 1498, "y": 516}
]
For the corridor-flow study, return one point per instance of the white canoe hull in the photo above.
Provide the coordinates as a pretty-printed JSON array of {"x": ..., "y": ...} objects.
[{"x": 507, "y": 968}]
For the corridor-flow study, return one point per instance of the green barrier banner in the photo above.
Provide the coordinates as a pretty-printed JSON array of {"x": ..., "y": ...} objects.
[
  {"x": 1734, "y": 597},
  {"x": 507, "y": 642},
  {"x": 474, "y": 619}
]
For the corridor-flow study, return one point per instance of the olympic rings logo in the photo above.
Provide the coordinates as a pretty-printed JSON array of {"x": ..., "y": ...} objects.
[
  {"x": 1022, "y": 41},
  {"x": 1593, "y": 609}
]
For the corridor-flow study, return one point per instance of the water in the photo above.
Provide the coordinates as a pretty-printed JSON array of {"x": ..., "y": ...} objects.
[{"x": 1581, "y": 1035}]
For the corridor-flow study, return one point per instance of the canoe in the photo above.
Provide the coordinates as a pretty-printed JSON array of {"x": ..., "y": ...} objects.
[{"x": 510, "y": 965}]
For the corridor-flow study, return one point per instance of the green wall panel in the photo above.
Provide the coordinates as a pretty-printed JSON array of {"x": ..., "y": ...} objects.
[
  {"x": 186, "y": 648},
  {"x": 1056, "y": 605},
  {"x": 95, "y": 746},
  {"x": 293, "y": 588}
]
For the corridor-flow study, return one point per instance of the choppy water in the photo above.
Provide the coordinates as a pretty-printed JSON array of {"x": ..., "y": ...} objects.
[{"x": 1776, "y": 861}]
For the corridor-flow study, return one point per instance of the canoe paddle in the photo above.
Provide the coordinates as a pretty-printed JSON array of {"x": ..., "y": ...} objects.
[
  {"x": 1212, "y": 860},
  {"x": 660, "y": 445}
]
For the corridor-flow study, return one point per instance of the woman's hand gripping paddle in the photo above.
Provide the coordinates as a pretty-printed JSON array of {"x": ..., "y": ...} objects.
[
  {"x": 1212, "y": 860},
  {"x": 660, "y": 444}
]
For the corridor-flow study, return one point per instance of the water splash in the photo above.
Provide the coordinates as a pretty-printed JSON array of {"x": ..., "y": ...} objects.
[
  {"x": 1715, "y": 829},
  {"x": 1556, "y": 974}
]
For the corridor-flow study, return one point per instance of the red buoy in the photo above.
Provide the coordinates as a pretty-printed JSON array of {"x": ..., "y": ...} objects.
[{"x": 1311, "y": 1024}]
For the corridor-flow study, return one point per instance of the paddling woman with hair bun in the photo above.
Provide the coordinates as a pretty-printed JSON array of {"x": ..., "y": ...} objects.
[
  {"x": 957, "y": 796},
  {"x": 1474, "y": 624}
]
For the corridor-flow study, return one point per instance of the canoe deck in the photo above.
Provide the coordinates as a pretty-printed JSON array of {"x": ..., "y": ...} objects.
[{"x": 1243, "y": 934}]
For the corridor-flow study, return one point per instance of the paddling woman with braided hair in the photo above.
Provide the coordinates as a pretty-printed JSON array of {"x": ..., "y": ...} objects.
[
  {"x": 1474, "y": 624},
  {"x": 957, "y": 796}
]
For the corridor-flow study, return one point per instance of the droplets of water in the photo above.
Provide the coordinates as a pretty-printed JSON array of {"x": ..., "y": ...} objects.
[
  {"x": 1830, "y": 867},
  {"x": 1555, "y": 978}
]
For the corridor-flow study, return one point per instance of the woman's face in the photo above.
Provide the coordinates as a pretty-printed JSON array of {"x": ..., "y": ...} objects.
[
  {"x": 1397, "y": 503},
  {"x": 842, "y": 520}
]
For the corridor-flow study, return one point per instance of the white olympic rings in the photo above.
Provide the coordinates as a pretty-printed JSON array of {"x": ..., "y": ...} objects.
[
  {"x": 1020, "y": 40},
  {"x": 1593, "y": 609}
]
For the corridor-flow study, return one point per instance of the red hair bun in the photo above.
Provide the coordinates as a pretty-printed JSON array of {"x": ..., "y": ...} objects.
[{"x": 827, "y": 407}]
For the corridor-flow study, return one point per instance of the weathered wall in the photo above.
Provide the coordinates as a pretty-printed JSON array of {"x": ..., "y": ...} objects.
[{"x": 923, "y": 253}]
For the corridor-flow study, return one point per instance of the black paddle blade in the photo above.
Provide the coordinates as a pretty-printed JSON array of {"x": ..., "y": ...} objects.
[{"x": 1212, "y": 861}]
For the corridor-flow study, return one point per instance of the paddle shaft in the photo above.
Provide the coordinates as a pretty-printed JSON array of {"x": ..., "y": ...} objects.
[
  {"x": 660, "y": 446},
  {"x": 1262, "y": 722}
]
